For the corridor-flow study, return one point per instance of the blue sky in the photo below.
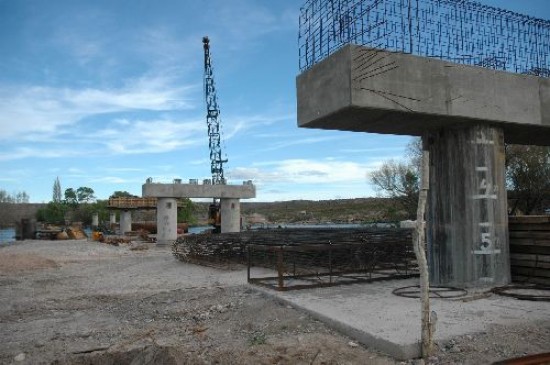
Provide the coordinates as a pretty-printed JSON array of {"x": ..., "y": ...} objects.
[{"x": 107, "y": 93}]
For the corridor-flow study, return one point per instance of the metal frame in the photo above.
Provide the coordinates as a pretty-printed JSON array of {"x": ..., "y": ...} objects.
[
  {"x": 460, "y": 31},
  {"x": 323, "y": 265}
]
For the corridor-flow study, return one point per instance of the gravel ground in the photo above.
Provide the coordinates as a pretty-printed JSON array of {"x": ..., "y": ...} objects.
[{"x": 79, "y": 302}]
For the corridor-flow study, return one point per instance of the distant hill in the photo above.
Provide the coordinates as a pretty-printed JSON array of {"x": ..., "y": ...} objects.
[{"x": 310, "y": 211}]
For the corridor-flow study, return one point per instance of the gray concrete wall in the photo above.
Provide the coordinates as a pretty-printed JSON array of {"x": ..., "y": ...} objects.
[{"x": 362, "y": 89}]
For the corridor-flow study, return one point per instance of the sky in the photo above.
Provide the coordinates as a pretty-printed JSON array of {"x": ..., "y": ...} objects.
[{"x": 108, "y": 93}]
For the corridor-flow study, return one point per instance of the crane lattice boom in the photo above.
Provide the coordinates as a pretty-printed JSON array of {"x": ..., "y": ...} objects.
[{"x": 212, "y": 118}]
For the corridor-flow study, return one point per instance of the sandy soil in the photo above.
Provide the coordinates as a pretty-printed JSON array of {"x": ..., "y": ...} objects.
[{"x": 79, "y": 302}]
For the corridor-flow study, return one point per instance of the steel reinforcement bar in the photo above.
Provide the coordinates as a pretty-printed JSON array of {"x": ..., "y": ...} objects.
[
  {"x": 286, "y": 259},
  {"x": 460, "y": 31}
]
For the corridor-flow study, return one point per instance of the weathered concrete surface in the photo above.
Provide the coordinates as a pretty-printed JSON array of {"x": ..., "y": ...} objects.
[
  {"x": 230, "y": 210},
  {"x": 467, "y": 219},
  {"x": 361, "y": 89},
  {"x": 372, "y": 315},
  {"x": 156, "y": 190},
  {"x": 167, "y": 221},
  {"x": 125, "y": 221}
]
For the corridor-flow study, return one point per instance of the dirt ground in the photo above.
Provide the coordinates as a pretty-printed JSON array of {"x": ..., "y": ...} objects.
[{"x": 79, "y": 302}]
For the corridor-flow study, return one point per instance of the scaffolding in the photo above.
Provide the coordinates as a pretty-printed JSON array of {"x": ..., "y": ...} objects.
[{"x": 459, "y": 31}]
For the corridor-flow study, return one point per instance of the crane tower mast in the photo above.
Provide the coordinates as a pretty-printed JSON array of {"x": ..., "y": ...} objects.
[{"x": 212, "y": 118}]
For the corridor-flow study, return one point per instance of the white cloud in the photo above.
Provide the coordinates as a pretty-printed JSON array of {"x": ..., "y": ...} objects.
[
  {"x": 302, "y": 171},
  {"x": 301, "y": 141},
  {"x": 152, "y": 136},
  {"x": 114, "y": 180},
  {"x": 32, "y": 152},
  {"x": 36, "y": 112}
]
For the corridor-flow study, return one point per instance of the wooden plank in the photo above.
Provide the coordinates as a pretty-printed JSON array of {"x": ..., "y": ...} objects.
[
  {"x": 529, "y": 219},
  {"x": 529, "y": 227},
  {"x": 530, "y": 264},
  {"x": 532, "y": 280},
  {"x": 527, "y": 234},
  {"x": 530, "y": 272},
  {"x": 541, "y": 250},
  {"x": 540, "y": 258},
  {"x": 529, "y": 242}
]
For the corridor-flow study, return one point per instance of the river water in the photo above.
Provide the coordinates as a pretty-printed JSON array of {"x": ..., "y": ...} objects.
[{"x": 7, "y": 235}]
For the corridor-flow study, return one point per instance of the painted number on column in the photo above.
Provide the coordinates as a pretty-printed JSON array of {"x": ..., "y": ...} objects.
[{"x": 486, "y": 191}]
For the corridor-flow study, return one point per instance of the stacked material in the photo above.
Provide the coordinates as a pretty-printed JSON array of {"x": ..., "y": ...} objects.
[
  {"x": 358, "y": 250},
  {"x": 530, "y": 249}
]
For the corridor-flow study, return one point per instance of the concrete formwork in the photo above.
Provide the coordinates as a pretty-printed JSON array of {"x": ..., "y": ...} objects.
[{"x": 466, "y": 113}]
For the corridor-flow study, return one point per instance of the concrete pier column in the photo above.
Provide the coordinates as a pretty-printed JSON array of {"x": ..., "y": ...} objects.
[
  {"x": 468, "y": 223},
  {"x": 230, "y": 215},
  {"x": 112, "y": 218},
  {"x": 167, "y": 220},
  {"x": 125, "y": 221},
  {"x": 95, "y": 219}
]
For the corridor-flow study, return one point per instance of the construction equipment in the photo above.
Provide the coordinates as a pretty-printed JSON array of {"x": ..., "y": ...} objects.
[{"x": 214, "y": 140}]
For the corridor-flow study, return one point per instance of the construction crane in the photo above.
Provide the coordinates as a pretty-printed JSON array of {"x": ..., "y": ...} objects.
[{"x": 214, "y": 139}]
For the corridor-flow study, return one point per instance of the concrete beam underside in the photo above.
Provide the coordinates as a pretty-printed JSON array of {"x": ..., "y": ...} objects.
[{"x": 367, "y": 90}]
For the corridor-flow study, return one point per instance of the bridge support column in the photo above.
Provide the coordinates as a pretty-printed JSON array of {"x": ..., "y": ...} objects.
[
  {"x": 95, "y": 219},
  {"x": 125, "y": 221},
  {"x": 468, "y": 222},
  {"x": 230, "y": 210},
  {"x": 167, "y": 220},
  {"x": 112, "y": 218}
]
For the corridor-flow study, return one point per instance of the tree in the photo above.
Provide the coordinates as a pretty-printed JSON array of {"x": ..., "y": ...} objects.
[
  {"x": 186, "y": 209},
  {"x": 85, "y": 194},
  {"x": 527, "y": 177},
  {"x": 70, "y": 196},
  {"x": 15, "y": 198},
  {"x": 56, "y": 198},
  {"x": 400, "y": 180},
  {"x": 54, "y": 212},
  {"x": 122, "y": 194}
]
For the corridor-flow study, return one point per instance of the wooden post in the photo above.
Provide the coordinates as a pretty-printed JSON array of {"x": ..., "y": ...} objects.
[
  {"x": 420, "y": 251},
  {"x": 280, "y": 268}
]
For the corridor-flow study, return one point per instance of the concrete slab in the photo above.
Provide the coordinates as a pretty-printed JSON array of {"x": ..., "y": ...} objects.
[{"x": 372, "y": 315}]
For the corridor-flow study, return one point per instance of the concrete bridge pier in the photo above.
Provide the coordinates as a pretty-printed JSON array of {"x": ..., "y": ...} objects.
[
  {"x": 125, "y": 221},
  {"x": 112, "y": 218},
  {"x": 167, "y": 220},
  {"x": 95, "y": 219},
  {"x": 230, "y": 210},
  {"x": 468, "y": 222}
]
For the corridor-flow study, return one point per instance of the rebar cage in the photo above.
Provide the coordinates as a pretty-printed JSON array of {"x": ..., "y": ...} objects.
[{"x": 460, "y": 31}]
